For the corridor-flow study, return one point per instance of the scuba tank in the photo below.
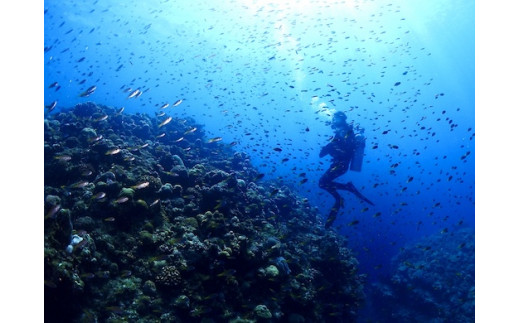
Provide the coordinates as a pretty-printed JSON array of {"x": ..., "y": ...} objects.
[{"x": 359, "y": 151}]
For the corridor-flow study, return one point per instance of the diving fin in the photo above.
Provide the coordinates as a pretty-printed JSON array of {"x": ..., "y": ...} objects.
[{"x": 351, "y": 188}]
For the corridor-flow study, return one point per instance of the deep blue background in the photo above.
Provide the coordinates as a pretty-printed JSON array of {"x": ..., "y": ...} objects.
[{"x": 262, "y": 74}]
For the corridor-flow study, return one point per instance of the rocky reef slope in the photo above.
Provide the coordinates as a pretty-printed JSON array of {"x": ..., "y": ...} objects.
[{"x": 147, "y": 220}]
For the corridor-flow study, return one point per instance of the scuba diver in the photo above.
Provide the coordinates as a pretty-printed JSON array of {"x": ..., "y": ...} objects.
[{"x": 341, "y": 149}]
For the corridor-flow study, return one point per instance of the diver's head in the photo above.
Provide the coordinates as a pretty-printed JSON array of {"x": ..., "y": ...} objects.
[{"x": 339, "y": 119}]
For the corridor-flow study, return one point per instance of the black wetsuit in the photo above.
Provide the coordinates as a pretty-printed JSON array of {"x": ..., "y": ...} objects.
[{"x": 341, "y": 149}]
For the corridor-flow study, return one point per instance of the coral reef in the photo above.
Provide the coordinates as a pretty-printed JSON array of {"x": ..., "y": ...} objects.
[
  {"x": 150, "y": 224},
  {"x": 432, "y": 281}
]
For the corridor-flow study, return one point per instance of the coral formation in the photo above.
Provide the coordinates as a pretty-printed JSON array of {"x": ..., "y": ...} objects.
[
  {"x": 262, "y": 312},
  {"x": 145, "y": 227},
  {"x": 432, "y": 281}
]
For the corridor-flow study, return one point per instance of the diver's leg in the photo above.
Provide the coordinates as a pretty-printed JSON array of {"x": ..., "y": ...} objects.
[
  {"x": 329, "y": 186},
  {"x": 332, "y": 216},
  {"x": 327, "y": 180},
  {"x": 339, "y": 202},
  {"x": 326, "y": 183}
]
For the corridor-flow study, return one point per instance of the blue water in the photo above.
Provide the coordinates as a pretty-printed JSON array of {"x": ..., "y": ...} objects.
[{"x": 269, "y": 74}]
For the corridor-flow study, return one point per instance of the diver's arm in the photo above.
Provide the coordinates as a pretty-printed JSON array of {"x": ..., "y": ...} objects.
[{"x": 325, "y": 150}]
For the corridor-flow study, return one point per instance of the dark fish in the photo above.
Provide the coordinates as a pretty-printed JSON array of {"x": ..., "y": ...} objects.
[
  {"x": 113, "y": 151},
  {"x": 165, "y": 122},
  {"x": 161, "y": 135},
  {"x": 53, "y": 85},
  {"x": 227, "y": 273},
  {"x": 87, "y": 275},
  {"x": 216, "y": 139},
  {"x": 135, "y": 94},
  {"x": 51, "y": 106},
  {"x": 200, "y": 310},
  {"x": 122, "y": 200},
  {"x": 159, "y": 257},
  {"x": 259, "y": 177},
  {"x": 190, "y": 130},
  {"x": 277, "y": 149},
  {"x": 89, "y": 91},
  {"x": 63, "y": 158},
  {"x": 397, "y": 84},
  {"x": 53, "y": 211},
  {"x": 80, "y": 184},
  {"x": 140, "y": 185},
  {"x": 114, "y": 309},
  {"x": 103, "y": 274},
  {"x": 94, "y": 139},
  {"x": 99, "y": 196},
  {"x": 126, "y": 273},
  {"x": 220, "y": 204},
  {"x": 102, "y": 118}
]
